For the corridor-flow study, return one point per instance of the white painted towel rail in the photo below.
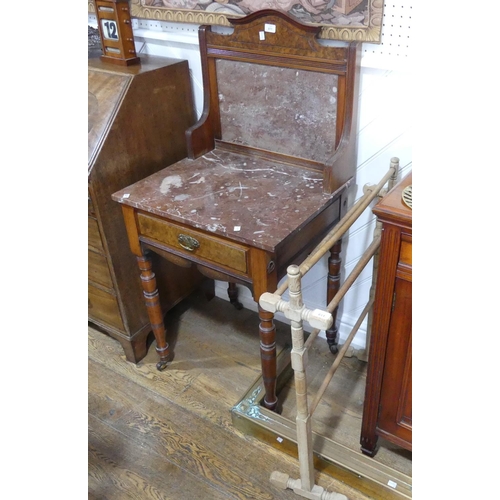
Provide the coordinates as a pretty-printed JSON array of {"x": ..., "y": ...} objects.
[{"x": 296, "y": 312}]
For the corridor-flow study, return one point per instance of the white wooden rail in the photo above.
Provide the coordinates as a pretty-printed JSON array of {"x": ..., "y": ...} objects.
[{"x": 296, "y": 312}]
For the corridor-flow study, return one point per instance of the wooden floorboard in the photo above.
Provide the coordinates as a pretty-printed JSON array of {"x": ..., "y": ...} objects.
[{"x": 169, "y": 434}]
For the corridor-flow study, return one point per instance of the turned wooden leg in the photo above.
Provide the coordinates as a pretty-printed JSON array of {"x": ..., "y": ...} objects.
[
  {"x": 267, "y": 333},
  {"x": 333, "y": 285},
  {"x": 232, "y": 293},
  {"x": 153, "y": 307}
]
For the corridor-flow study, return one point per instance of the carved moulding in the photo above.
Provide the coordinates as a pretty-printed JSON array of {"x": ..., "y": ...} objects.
[{"x": 370, "y": 30}]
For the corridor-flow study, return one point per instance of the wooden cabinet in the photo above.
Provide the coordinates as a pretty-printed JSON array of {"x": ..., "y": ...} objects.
[
  {"x": 388, "y": 405},
  {"x": 136, "y": 126}
]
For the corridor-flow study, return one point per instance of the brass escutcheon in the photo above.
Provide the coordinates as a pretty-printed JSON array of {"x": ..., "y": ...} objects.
[{"x": 188, "y": 242}]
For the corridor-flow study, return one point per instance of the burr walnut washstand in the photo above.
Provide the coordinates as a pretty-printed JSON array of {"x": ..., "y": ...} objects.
[{"x": 268, "y": 168}]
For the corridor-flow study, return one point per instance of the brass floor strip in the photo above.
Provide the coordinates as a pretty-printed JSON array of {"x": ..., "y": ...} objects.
[{"x": 368, "y": 476}]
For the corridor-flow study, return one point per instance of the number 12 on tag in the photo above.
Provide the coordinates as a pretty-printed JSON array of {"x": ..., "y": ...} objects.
[{"x": 109, "y": 29}]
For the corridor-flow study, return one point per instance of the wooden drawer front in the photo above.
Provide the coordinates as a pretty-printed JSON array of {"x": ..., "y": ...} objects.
[
  {"x": 405, "y": 253},
  {"x": 94, "y": 236},
  {"x": 99, "y": 270},
  {"x": 103, "y": 307},
  {"x": 210, "y": 248}
]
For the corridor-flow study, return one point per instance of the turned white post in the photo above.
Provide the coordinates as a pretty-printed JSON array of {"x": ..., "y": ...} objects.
[{"x": 296, "y": 312}]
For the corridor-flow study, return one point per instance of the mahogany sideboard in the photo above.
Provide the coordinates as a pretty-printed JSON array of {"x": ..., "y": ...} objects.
[
  {"x": 269, "y": 167},
  {"x": 387, "y": 408},
  {"x": 136, "y": 126}
]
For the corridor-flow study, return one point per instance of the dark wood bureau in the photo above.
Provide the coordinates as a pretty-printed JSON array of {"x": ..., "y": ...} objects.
[
  {"x": 388, "y": 404},
  {"x": 136, "y": 126}
]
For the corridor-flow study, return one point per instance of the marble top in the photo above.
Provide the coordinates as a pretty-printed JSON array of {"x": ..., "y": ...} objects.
[{"x": 250, "y": 200}]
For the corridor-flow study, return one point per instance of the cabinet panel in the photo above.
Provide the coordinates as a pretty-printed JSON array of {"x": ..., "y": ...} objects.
[
  {"x": 103, "y": 306},
  {"x": 387, "y": 410},
  {"x": 98, "y": 269},
  {"x": 91, "y": 209},
  {"x": 94, "y": 236},
  {"x": 395, "y": 400},
  {"x": 405, "y": 255}
]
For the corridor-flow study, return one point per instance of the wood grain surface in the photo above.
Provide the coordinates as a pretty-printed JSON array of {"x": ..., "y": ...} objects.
[{"x": 169, "y": 435}]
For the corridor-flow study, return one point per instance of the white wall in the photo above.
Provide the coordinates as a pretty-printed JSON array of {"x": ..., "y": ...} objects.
[{"x": 384, "y": 131}]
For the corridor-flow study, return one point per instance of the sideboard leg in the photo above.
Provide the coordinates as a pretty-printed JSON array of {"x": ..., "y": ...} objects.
[
  {"x": 369, "y": 443},
  {"x": 152, "y": 300},
  {"x": 333, "y": 285},
  {"x": 232, "y": 293},
  {"x": 267, "y": 333}
]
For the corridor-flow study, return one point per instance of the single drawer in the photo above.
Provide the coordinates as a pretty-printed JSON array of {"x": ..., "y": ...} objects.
[
  {"x": 405, "y": 253},
  {"x": 94, "y": 236},
  {"x": 98, "y": 269},
  {"x": 191, "y": 242},
  {"x": 103, "y": 306}
]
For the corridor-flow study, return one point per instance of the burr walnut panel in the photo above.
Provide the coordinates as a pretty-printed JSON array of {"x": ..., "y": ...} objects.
[{"x": 208, "y": 247}]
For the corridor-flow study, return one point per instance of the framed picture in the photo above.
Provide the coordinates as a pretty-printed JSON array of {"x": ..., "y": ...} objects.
[{"x": 345, "y": 20}]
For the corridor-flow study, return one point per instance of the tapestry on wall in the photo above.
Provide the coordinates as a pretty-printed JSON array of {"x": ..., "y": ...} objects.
[{"x": 340, "y": 19}]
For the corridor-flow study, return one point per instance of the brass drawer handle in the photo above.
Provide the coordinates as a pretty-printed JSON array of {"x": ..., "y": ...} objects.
[{"x": 188, "y": 242}]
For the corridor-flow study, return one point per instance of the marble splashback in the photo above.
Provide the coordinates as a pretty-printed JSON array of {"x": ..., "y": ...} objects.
[{"x": 283, "y": 110}]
